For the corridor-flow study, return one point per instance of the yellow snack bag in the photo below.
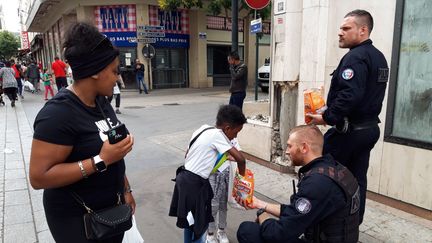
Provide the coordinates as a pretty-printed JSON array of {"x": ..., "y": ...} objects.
[
  {"x": 313, "y": 102},
  {"x": 244, "y": 186}
]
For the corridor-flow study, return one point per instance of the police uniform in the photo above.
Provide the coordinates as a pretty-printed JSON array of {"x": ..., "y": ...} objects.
[
  {"x": 354, "y": 102},
  {"x": 325, "y": 209}
]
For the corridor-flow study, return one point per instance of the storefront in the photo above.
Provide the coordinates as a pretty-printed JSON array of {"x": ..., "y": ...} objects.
[{"x": 118, "y": 23}]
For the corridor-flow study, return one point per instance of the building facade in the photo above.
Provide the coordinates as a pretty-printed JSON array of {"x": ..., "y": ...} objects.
[{"x": 190, "y": 47}]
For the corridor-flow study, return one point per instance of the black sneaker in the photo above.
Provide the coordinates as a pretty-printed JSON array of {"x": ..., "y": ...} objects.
[
  {"x": 117, "y": 111},
  {"x": 13, "y": 103}
]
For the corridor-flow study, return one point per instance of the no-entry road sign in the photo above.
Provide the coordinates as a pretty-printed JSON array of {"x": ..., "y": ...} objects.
[{"x": 257, "y": 4}]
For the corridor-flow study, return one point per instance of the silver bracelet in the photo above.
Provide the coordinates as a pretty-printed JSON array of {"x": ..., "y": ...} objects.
[{"x": 81, "y": 166}]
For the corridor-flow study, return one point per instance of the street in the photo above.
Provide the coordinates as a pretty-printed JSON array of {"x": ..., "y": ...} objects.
[{"x": 161, "y": 123}]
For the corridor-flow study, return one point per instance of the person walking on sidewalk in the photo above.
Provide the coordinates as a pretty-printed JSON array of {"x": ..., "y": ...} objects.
[
  {"x": 71, "y": 155},
  {"x": 18, "y": 74},
  {"x": 10, "y": 84},
  {"x": 355, "y": 99},
  {"x": 47, "y": 82},
  {"x": 33, "y": 75},
  {"x": 116, "y": 92},
  {"x": 59, "y": 69},
  {"x": 325, "y": 208},
  {"x": 239, "y": 81},
  {"x": 139, "y": 75},
  {"x": 191, "y": 200}
]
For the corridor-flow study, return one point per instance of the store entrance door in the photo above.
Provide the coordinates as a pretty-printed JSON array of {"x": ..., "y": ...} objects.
[
  {"x": 170, "y": 68},
  {"x": 220, "y": 67},
  {"x": 127, "y": 57}
]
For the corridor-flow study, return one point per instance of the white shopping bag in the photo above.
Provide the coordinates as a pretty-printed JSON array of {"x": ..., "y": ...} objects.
[
  {"x": 231, "y": 200},
  {"x": 28, "y": 86},
  {"x": 133, "y": 235}
]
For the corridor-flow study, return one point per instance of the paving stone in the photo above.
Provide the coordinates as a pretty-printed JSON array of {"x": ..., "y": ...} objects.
[
  {"x": 40, "y": 221},
  {"x": 16, "y": 198},
  {"x": 17, "y": 214},
  {"x": 15, "y": 184},
  {"x": 45, "y": 237},
  {"x": 14, "y": 164},
  {"x": 20, "y": 233},
  {"x": 37, "y": 202},
  {"x": 15, "y": 174}
]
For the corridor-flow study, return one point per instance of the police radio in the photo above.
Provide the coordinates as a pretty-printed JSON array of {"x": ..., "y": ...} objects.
[{"x": 115, "y": 134}]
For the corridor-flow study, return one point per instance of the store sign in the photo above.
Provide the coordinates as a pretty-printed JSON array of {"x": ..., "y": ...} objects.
[
  {"x": 175, "y": 25},
  {"x": 24, "y": 40},
  {"x": 118, "y": 22}
]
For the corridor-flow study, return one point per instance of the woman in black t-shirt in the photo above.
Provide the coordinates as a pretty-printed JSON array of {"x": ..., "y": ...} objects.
[{"x": 70, "y": 151}]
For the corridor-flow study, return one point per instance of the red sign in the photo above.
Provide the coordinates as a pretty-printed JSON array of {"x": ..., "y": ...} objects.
[
  {"x": 257, "y": 4},
  {"x": 25, "y": 44}
]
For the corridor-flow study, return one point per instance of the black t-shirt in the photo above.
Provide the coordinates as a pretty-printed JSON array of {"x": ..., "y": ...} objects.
[{"x": 65, "y": 120}]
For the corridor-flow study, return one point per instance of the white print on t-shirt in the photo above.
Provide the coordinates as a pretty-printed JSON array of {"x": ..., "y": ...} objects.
[{"x": 103, "y": 127}]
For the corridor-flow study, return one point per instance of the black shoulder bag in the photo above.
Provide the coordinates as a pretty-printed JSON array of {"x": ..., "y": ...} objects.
[{"x": 107, "y": 222}]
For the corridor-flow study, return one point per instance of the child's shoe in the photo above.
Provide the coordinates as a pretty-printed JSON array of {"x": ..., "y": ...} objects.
[{"x": 222, "y": 236}]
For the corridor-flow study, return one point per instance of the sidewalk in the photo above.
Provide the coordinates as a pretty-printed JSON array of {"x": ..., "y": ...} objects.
[
  {"x": 23, "y": 219},
  {"x": 22, "y": 214}
]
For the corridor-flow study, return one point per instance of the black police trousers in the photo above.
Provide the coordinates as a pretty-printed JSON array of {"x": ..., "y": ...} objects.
[
  {"x": 352, "y": 149},
  {"x": 249, "y": 232}
]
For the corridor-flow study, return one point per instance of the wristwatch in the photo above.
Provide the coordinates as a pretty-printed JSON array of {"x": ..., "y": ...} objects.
[
  {"x": 260, "y": 211},
  {"x": 99, "y": 164}
]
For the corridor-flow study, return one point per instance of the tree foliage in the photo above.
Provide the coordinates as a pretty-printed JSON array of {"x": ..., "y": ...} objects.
[
  {"x": 215, "y": 7},
  {"x": 9, "y": 45}
]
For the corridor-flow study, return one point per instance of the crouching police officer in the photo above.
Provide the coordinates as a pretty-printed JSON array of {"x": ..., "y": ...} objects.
[
  {"x": 355, "y": 99},
  {"x": 325, "y": 208}
]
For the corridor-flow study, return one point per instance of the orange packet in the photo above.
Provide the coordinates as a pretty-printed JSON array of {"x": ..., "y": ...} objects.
[
  {"x": 313, "y": 103},
  {"x": 244, "y": 186}
]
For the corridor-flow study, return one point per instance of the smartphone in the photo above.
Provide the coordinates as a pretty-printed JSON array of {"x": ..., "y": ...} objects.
[{"x": 116, "y": 134}]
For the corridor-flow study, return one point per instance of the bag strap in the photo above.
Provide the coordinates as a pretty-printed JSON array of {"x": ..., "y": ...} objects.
[
  {"x": 199, "y": 134},
  {"x": 80, "y": 201}
]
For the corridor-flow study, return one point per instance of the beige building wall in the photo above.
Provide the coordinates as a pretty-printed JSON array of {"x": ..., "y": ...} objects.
[
  {"x": 397, "y": 171},
  {"x": 198, "y": 51}
]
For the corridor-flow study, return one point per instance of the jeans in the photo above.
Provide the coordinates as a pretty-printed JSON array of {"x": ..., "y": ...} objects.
[
  {"x": 188, "y": 233},
  {"x": 140, "y": 81},
  {"x": 20, "y": 86},
  {"x": 237, "y": 99}
]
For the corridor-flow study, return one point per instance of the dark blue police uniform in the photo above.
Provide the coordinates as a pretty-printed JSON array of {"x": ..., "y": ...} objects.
[
  {"x": 322, "y": 201},
  {"x": 354, "y": 102}
]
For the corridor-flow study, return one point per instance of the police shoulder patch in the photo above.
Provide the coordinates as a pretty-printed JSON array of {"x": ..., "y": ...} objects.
[
  {"x": 347, "y": 74},
  {"x": 303, "y": 205}
]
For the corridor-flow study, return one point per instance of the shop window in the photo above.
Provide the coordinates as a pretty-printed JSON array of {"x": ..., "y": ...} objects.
[{"x": 409, "y": 114}]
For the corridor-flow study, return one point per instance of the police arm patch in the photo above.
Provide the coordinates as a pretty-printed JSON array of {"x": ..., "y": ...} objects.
[
  {"x": 347, "y": 74},
  {"x": 303, "y": 205}
]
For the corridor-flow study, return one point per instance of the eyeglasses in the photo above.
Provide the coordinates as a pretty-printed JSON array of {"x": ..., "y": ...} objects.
[{"x": 105, "y": 42}]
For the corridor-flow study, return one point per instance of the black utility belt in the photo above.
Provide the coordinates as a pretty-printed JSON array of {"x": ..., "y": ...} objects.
[{"x": 351, "y": 126}]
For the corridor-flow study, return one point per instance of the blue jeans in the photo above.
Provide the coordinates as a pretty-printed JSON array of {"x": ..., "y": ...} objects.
[
  {"x": 140, "y": 81},
  {"x": 237, "y": 99},
  {"x": 188, "y": 233}
]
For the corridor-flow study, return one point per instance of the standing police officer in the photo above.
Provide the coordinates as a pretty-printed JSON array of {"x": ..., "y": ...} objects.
[
  {"x": 325, "y": 208},
  {"x": 355, "y": 99}
]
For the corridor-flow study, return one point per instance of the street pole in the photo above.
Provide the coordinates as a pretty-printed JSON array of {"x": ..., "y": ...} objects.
[
  {"x": 234, "y": 28},
  {"x": 256, "y": 60}
]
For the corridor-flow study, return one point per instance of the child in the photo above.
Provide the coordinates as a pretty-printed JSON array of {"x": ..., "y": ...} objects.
[
  {"x": 219, "y": 182},
  {"x": 208, "y": 150},
  {"x": 47, "y": 80}
]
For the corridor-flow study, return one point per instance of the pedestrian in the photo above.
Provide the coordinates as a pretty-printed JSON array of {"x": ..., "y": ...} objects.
[
  {"x": 71, "y": 157},
  {"x": 239, "y": 81},
  {"x": 18, "y": 74},
  {"x": 33, "y": 75},
  {"x": 219, "y": 181},
  {"x": 191, "y": 200},
  {"x": 139, "y": 75},
  {"x": 10, "y": 85},
  {"x": 47, "y": 82},
  {"x": 59, "y": 69},
  {"x": 116, "y": 92},
  {"x": 1, "y": 85},
  {"x": 325, "y": 207},
  {"x": 355, "y": 99}
]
